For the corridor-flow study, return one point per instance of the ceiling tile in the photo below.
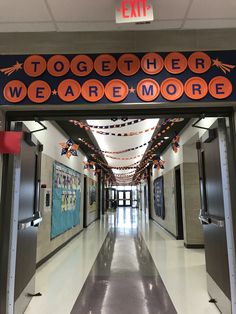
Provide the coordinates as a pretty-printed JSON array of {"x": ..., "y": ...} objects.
[
  {"x": 202, "y": 9},
  {"x": 83, "y": 10},
  {"x": 170, "y": 9},
  {"x": 27, "y": 27},
  {"x": 23, "y": 11},
  {"x": 209, "y": 24}
]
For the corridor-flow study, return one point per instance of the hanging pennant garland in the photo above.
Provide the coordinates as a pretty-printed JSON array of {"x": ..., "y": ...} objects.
[
  {"x": 132, "y": 133},
  {"x": 131, "y": 166},
  {"x": 110, "y": 126},
  {"x": 124, "y": 158},
  {"x": 128, "y": 149},
  {"x": 123, "y": 175},
  {"x": 175, "y": 143},
  {"x": 69, "y": 148}
]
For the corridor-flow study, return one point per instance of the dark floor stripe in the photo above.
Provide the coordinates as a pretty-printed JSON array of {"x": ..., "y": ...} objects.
[{"x": 124, "y": 279}]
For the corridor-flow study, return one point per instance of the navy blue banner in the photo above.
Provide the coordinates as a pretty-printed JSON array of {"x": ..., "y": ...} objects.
[{"x": 118, "y": 78}]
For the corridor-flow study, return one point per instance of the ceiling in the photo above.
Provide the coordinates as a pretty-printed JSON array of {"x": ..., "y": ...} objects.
[
  {"x": 164, "y": 127},
  {"x": 118, "y": 143},
  {"x": 88, "y": 15}
]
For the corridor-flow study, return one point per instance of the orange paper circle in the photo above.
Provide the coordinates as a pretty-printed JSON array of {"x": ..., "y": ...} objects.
[
  {"x": 196, "y": 88},
  {"x": 199, "y": 62},
  {"x": 58, "y": 65},
  {"x": 105, "y": 65},
  {"x": 92, "y": 90},
  {"x": 146, "y": 84},
  {"x": 69, "y": 90},
  {"x": 128, "y": 64},
  {"x": 81, "y": 65},
  {"x": 172, "y": 89},
  {"x": 39, "y": 91},
  {"x": 152, "y": 63},
  {"x": 116, "y": 90},
  {"x": 220, "y": 87},
  {"x": 175, "y": 63},
  {"x": 15, "y": 88},
  {"x": 35, "y": 65}
]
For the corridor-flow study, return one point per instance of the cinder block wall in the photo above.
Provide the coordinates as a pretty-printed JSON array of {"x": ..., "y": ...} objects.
[{"x": 193, "y": 232}]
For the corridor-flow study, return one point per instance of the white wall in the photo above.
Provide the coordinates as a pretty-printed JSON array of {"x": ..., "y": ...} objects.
[
  {"x": 174, "y": 159},
  {"x": 186, "y": 158},
  {"x": 50, "y": 140}
]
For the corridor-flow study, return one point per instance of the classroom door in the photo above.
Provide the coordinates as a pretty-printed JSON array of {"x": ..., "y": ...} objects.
[{"x": 215, "y": 207}]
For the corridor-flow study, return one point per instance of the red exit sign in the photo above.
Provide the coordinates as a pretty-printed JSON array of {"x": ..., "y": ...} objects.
[{"x": 132, "y": 11}]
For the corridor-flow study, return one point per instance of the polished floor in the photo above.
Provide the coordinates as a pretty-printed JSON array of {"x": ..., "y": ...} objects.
[
  {"x": 124, "y": 278},
  {"x": 139, "y": 269}
]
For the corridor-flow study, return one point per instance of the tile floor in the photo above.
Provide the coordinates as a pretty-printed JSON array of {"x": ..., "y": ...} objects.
[{"x": 61, "y": 279}]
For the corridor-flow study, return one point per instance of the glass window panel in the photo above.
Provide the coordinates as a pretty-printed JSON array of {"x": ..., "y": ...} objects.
[
  {"x": 121, "y": 202},
  {"x": 120, "y": 194},
  {"x": 128, "y": 202},
  {"x": 127, "y": 195}
]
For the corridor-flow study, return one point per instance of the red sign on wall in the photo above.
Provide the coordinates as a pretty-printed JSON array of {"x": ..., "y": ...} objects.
[{"x": 133, "y": 11}]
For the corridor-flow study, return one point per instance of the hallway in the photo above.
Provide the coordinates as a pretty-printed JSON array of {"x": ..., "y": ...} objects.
[{"x": 124, "y": 277}]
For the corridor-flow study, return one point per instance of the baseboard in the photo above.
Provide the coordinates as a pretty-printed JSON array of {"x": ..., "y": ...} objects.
[
  {"x": 92, "y": 222},
  {"x": 159, "y": 225},
  {"x": 194, "y": 246}
]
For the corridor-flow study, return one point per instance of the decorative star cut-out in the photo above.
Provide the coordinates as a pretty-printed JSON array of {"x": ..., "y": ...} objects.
[
  {"x": 223, "y": 66},
  {"x": 132, "y": 90},
  {"x": 10, "y": 70},
  {"x": 69, "y": 149},
  {"x": 54, "y": 92},
  {"x": 18, "y": 66}
]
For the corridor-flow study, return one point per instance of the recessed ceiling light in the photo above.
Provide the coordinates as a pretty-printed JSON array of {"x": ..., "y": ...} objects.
[{"x": 166, "y": 137}]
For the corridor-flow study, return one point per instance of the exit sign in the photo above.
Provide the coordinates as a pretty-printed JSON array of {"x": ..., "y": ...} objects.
[{"x": 132, "y": 11}]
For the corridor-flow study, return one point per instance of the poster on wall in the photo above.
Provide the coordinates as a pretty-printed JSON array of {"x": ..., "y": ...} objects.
[
  {"x": 66, "y": 195},
  {"x": 159, "y": 201},
  {"x": 92, "y": 195}
]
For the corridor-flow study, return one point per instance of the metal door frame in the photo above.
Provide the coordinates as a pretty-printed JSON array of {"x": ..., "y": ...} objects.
[
  {"x": 225, "y": 144},
  {"x": 9, "y": 233},
  {"x": 133, "y": 111}
]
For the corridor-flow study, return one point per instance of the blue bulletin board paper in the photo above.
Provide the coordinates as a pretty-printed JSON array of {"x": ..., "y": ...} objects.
[{"x": 66, "y": 196}]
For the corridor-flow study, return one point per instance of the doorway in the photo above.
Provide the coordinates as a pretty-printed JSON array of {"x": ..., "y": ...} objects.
[
  {"x": 179, "y": 210},
  {"x": 124, "y": 198}
]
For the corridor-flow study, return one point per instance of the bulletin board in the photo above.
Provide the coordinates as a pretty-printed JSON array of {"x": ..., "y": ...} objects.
[
  {"x": 159, "y": 200},
  {"x": 66, "y": 196}
]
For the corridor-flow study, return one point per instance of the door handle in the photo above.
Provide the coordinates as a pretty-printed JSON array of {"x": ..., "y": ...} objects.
[
  {"x": 205, "y": 219},
  {"x": 30, "y": 222},
  {"x": 37, "y": 219}
]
